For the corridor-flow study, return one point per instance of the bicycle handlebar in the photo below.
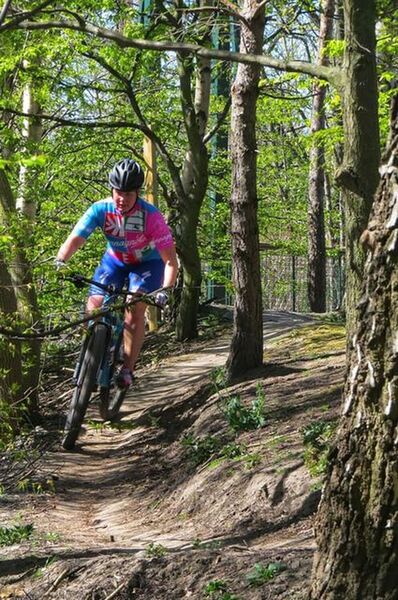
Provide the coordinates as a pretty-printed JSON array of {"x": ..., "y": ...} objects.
[{"x": 80, "y": 281}]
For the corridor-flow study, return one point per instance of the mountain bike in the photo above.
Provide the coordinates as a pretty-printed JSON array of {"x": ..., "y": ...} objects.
[{"x": 100, "y": 354}]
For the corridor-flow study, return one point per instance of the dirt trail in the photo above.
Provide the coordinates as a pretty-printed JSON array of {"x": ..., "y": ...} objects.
[{"x": 94, "y": 504}]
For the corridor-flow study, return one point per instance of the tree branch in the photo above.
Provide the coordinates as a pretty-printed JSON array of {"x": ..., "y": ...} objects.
[
  {"x": 13, "y": 24},
  {"x": 85, "y": 124},
  {"x": 128, "y": 88},
  {"x": 220, "y": 121},
  {"x": 4, "y": 10},
  {"x": 328, "y": 73}
]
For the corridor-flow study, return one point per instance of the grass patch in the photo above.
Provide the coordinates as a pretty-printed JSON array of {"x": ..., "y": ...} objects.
[
  {"x": 15, "y": 534},
  {"x": 317, "y": 437},
  {"x": 262, "y": 574},
  {"x": 218, "y": 590},
  {"x": 312, "y": 341},
  {"x": 201, "y": 450},
  {"x": 155, "y": 550}
]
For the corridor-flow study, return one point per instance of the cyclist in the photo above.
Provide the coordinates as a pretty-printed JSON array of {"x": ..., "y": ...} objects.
[{"x": 140, "y": 249}]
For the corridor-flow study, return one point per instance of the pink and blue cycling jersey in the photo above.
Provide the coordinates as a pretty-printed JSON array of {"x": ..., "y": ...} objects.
[{"x": 133, "y": 238}]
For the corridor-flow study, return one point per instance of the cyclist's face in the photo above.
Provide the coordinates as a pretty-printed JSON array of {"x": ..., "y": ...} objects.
[{"x": 124, "y": 201}]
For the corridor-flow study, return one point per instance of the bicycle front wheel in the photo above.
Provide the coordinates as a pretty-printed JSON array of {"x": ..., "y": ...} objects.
[
  {"x": 86, "y": 381},
  {"x": 111, "y": 402}
]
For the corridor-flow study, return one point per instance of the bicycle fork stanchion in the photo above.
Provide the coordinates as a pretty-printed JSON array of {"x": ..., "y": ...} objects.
[{"x": 110, "y": 359}]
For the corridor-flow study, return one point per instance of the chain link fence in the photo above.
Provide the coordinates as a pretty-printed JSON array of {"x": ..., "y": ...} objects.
[{"x": 284, "y": 282}]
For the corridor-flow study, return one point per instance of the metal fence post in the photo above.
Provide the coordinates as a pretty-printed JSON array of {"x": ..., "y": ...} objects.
[{"x": 294, "y": 282}]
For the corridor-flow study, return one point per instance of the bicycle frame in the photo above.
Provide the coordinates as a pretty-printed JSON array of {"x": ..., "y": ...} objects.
[
  {"x": 114, "y": 322},
  {"x": 97, "y": 360}
]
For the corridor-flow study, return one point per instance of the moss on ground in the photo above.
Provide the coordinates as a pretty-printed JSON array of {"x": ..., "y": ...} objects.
[{"x": 310, "y": 341}]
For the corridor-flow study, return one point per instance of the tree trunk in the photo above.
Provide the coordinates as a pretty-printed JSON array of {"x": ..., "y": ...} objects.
[
  {"x": 194, "y": 180},
  {"x": 357, "y": 524},
  {"x": 316, "y": 223},
  {"x": 246, "y": 349},
  {"x": 186, "y": 322},
  {"x": 17, "y": 271},
  {"x": 10, "y": 351},
  {"x": 358, "y": 173},
  {"x": 26, "y": 205},
  {"x": 31, "y": 131}
]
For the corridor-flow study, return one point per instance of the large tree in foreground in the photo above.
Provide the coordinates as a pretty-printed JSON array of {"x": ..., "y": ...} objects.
[
  {"x": 359, "y": 172},
  {"x": 357, "y": 524}
]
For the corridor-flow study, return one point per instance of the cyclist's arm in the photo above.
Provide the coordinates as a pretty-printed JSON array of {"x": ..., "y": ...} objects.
[
  {"x": 91, "y": 219},
  {"x": 169, "y": 258},
  {"x": 69, "y": 247}
]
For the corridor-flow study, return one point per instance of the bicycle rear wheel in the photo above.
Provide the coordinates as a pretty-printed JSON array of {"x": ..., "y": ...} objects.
[{"x": 96, "y": 344}]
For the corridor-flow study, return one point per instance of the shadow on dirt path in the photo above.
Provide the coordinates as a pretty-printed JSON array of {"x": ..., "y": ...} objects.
[{"x": 78, "y": 513}]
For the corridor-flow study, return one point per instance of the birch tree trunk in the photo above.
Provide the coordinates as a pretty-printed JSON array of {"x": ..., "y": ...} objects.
[
  {"x": 357, "y": 523},
  {"x": 316, "y": 222},
  {"x": 246, "y": 349}
]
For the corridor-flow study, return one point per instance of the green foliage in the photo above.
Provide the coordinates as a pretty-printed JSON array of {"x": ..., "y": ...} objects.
[
  {"x": 15, "y": 534},
  {"x": 219, "y": 378},
  {"x": 317, "y": 438},
  {"x": 217, "y": 589},
  {"x": 262, "y": 574},
  {"x": 28, "y": 485},
  {"x": 11, "y": 417},
  {"x": 199, "y": 450},
  {"x": 241, "y": 417},
  {"x": 334, "y": 48},
  {"x": 7, "y": 419},
  {"x": 154, "y": 550},
  {"x": 52, "y": 537}
]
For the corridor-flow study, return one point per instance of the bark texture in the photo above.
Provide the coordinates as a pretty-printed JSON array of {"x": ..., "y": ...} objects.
[
  {"x": 357, "y": 523},
  {"x": 316, "y": 195},
  {"x": 194, "y": 179},
  {"x": 358, "y": 174},
  {"x": 20, "y": 298},
  {"x": 247, "y": 341},
  {"x": 10, "y": 352}
]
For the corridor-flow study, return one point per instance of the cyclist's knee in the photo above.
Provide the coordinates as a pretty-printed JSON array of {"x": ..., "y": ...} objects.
[
  {"x": 136, "y": 314},
  {"x": 94, "y": 302}
]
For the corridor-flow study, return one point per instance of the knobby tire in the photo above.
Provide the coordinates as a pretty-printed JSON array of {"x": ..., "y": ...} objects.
[{"x": 85, "y": 385}]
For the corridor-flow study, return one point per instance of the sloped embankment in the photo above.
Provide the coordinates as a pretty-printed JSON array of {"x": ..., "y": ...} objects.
[{"x": 193, "y": 502}]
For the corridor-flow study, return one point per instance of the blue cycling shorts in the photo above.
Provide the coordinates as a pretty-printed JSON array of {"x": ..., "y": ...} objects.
[{"x": 140, "y": 277}]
